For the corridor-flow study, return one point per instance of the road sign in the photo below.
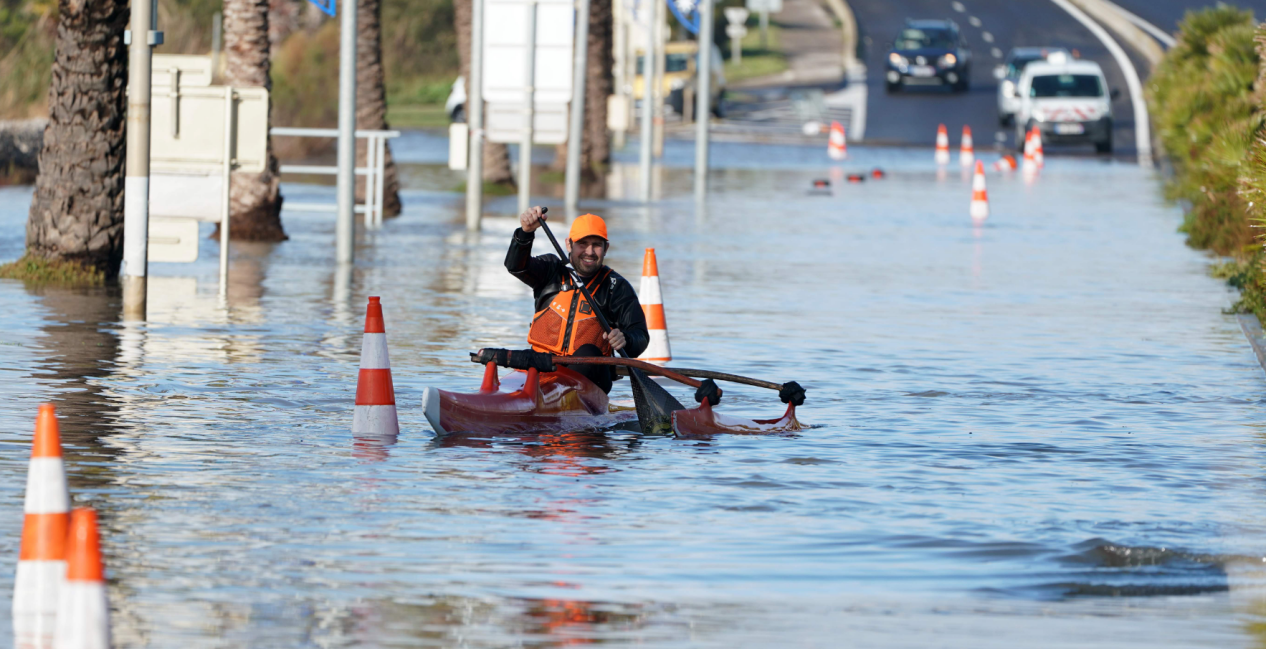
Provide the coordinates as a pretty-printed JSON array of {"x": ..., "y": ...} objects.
[
  {"x": 687, "y": 13},
  {"x": 326, "y": 6},
  {"x": 505, "y": 76},
  {"x": 768, "y": 6},
  {"x": 736, "y": 16}
]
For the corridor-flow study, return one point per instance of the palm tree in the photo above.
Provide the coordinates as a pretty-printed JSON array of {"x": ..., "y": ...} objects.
[
  {"x": 255, "y": 201},
  {"x": 77, "y": 212},
  {"x": 371, "y": 98},
  {"x": 595, "y": 147},
  {"x": 496, "y": 156}
]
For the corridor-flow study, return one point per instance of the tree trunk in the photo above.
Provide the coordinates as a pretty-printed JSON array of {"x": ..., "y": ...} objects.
[
  {"x": 595, "y": 146},
  {"x": 496, "y": 155},
  {"x": 371, "y": 100},
  {"x": 77, "y": 212},
  {"x": 255, "y": 199}
]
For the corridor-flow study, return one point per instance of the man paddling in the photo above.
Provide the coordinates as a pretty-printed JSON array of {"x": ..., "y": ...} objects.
[{"x": 565, "y": 323}]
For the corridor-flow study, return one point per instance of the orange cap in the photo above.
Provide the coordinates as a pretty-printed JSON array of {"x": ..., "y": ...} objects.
[
  {"x": 83, "y": 556},
  {"x": 48, "y": 442},
  {"x": 587, "y": 225}
]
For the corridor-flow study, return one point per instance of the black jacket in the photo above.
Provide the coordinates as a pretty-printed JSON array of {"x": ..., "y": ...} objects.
[{"x": 614, "y": 297}]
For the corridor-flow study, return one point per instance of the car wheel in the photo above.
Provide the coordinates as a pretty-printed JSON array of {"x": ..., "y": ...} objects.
[
  {"x": 459, "y": 115},
  {"x": 1104, "y": 147},
  {"x": 893, "y": 87},
  {"x": 1005, "y": 120},
  {"x": 718, "y": 106}
]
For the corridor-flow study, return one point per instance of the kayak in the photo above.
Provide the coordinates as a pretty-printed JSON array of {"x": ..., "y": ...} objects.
[
  {"x": 529, "y": 401},
  {"x": 524, "y": 402}
]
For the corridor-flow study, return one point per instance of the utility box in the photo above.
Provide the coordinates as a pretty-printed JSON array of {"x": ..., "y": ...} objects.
[
  {"x": 505, "y": 75},
  {"x": 618, "y": 112},
  {"x": 173, "y": 240},
  {"x": 188, "y": 134},
  {"x": 189, "y": 70}
]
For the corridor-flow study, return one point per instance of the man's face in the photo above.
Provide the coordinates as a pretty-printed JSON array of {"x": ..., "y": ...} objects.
[{"x": 587, "y": 254}]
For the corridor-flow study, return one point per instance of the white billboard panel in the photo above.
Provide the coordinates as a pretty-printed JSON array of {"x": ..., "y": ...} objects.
[{"x": 504, "y": 68}]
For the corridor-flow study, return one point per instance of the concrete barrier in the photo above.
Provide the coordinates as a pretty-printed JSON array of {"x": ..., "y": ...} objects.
[
  {"x": 848, "y": 25},
  {"x": 1110, "y": 16}
]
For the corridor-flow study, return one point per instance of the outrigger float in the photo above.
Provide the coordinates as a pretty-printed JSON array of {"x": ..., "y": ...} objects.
[{"x": 534, "y": 401}]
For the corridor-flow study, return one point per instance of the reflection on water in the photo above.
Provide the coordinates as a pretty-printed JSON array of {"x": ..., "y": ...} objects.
[{"x": 1041, "y": 427}]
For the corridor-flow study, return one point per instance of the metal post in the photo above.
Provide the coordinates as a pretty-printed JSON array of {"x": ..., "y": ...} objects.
[
  {"x": 136, "y": 183},
  {"x": 382, "y": 180},
  {"x": 703, "y": 100},
  {"x": 370, "y": 168},
  {"x": 764, "y": 29},
  {"x": 217, "y": 36},
  {"x": 660, "y": 39},
  {"x": 224, "y": 204},
  {"x": 644, "y": 163},
  {"x": 576, "y": 129},
  {"x": 529, "y": 112},
  {"x": 345, "y": 225},
  {"x": 475, "y": 119}
]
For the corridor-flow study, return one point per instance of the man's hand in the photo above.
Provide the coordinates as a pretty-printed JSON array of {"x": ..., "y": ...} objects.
[
  {"x": 531, "y": 220},
  {"x": 616, "y": 338}
]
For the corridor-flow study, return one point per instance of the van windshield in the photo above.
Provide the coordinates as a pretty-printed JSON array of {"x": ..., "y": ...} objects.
[{"x": 1066, "y": 85}]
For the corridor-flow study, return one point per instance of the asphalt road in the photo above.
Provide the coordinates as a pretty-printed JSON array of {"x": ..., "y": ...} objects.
[
  {"x": 911, "y": 117},
  {"x": 1166, "y": 13}
]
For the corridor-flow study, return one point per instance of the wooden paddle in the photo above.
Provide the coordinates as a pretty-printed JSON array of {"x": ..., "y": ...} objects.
[{"x": 654, "y": 404}]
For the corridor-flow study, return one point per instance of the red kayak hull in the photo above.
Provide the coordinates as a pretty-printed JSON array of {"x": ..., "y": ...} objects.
[
  {"x": 524, "y": 402},
  {"x": 703, "y": 421}
]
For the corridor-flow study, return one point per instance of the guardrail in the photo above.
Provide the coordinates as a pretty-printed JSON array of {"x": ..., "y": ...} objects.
[{"x": 375, "y": 161}]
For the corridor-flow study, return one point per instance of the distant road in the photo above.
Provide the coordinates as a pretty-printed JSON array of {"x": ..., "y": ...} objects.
[
  {"x": 1166, "y": 13},
  {"x": 911, "y": 117}
]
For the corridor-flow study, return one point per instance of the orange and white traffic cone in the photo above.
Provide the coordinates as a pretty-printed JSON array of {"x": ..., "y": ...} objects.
[
  {"x": 835, "y": 145},
  {"x": 375, "y": 395},
  {"x": 83, "y": 615},
  {"x": 1038, "y": 156},
  {"x": 42, "y": 559},
  {"x": 1030, "y": 163},
  {"x": 942, "y": 145},
  {"x": 966, "y": 150},
  {"x": 1007, "y": 163},
  {"x": 979, "y": 196},
  {"x": 657, "y": 351}
]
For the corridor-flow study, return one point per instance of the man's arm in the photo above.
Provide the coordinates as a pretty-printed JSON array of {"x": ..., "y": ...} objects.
[
  {"x": 533, "y": 271},
  {"x": 626, "y": 315}
]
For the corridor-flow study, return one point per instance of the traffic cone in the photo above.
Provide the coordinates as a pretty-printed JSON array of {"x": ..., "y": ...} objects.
[
  {"x": 42, "y": 558},
  {"x": 966, "y": 152},
  {"x": 657, "y": 351},
  {"x": 375, "y": 395},
  {"x": 1030, "y": 163},
  {"x": 979, "y": 196},
  {"x": 1007, "y": 163},
  {"x": 83, "y": 615},
  {"x": 942, "y": 145},
  {"x": 1038, "y": 157},
  {"x": 835, "y": 145}
]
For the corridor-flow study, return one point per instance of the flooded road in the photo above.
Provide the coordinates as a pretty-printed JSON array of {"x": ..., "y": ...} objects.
[{"x": 1040, "y": 432}]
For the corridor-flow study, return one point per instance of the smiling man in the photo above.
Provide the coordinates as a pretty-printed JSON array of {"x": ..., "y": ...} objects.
[{"x": 565, "y": 323}]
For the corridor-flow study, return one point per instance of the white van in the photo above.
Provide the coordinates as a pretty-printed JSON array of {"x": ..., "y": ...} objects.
[{"x": 1068, "y": 100}]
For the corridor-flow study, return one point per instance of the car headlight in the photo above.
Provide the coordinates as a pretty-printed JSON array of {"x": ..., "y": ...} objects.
[
  {"x": 948, "y": 60},
  {"x": 897, "y": 59}
]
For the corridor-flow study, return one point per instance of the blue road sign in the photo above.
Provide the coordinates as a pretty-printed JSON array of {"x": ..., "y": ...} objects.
[
  {"x": 687, "y": 13},
  {"x": 326, "y": 6}
]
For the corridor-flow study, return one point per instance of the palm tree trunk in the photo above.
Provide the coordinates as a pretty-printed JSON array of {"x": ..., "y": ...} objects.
[
  {"x": 255, "y": 200},
  {"x": 77, "y": 212},
  {"x": 595, "y": 147},
  {"x": 496, "y": 155},
  {"x": 371, "y": 100}
]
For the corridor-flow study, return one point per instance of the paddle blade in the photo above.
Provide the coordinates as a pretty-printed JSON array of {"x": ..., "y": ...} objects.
[{"x": 655, "y": 405}]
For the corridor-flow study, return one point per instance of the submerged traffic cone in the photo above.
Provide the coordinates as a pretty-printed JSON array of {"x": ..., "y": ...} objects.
[
  {"x": 1038, "y": 157},
  {"x": 835, "y": 145},
  {"x": 83, "y": 615},
  {"x": 375, "y": 395},
  {"x": 657, "y": 351},
  {"x": 42, "y": 559},
  {"x": 1030, "y": 163},
  {"x": 1007, "y": 163},
  {"x": 966, "y": 151},
  {"x": 979, "y": 196},
  {"x": 942, "y": 145}
]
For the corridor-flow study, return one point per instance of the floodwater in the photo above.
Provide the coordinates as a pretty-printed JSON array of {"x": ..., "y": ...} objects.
[{"x": 1040, "y": 432}]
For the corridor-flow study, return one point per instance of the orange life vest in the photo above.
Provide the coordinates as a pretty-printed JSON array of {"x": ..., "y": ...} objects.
[{"x": 569, "y": 321}]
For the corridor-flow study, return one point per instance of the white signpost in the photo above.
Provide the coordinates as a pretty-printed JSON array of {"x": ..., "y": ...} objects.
[
  {"x": 504, "y": 72},
  {"x": 764, "y": 8},
  {"x": 737, "y": 17}
]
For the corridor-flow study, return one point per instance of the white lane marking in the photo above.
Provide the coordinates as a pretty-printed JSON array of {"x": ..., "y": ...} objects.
[
  {"x": 975, "y": 22},
  {"x": 958, "y": 6},
  {"x": 988, "y": 38},
  {"x": 1156, "y": 32},
  {"x": 853, "y": 96},
  {"x": 1142, "y": 123},
  {"x": 997, "y": 53}
]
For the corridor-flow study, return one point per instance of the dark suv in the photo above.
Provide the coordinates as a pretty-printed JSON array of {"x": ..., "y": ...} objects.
[{"x": 929, "y": 52}]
